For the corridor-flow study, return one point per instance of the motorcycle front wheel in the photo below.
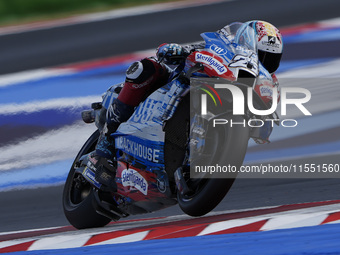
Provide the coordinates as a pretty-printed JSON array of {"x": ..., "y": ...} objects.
[
  {"x": 78, "y": 194},
  {"x": 229, "y": 148}
]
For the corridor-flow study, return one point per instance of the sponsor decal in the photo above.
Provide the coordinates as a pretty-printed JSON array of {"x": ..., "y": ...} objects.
[
  {"x": 247, "y": 62},
  {"x": 271, "y": 39},
  {"x": 161, "y": 185},
  {"x": 218, "y": 50},
  {"x": 266, "y": 91},
  {"x": 90, "y": 176},
  {"x": 92, "y": 160},
  {"x": 212, "y": 62},
  {"x": 132, "y": 178},
  {"x": 139, "y": 150},
  {"x": 198, "y": 130},
  {"x": 271, "y": 44},
  {"x": 141, "y": 85}
]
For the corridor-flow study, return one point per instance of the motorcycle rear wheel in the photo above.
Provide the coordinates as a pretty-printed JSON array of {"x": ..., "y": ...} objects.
[{"x": 78, "y": 194}]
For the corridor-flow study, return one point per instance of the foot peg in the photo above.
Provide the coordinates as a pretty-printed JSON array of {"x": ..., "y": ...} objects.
[{"x": 106, "y": 178}]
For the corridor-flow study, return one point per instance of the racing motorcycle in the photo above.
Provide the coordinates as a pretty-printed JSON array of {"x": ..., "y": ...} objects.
[{"x": 157, "y": 148}]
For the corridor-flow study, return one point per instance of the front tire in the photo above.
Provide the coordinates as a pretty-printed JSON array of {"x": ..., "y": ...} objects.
[
  {"x": 229, "y": 148},
  {"x": 78, "y": 195}
]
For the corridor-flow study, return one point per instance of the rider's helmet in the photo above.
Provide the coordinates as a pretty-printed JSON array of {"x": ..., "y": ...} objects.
[{"x": 269, "y": 44}]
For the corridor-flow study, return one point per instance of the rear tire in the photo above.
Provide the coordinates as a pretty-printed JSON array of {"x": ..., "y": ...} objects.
[{"x": 78, "y": 196}]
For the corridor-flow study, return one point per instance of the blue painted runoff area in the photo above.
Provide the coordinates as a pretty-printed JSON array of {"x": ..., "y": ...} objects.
[
  {"x": 49, "y": 118},
  {"x": 306, "y": 125},
  {"x": 291, "y": 153},
  {"x": 287, "y": 65},
  {"x": 37, "y": 176},
  {"x": 330, "y": 34},
  {"x": 316, "y": 240},
  {"x": 81, "y": 84},
  {"x": 54, "y": 173},
  {"x": 94, "y": 82}
]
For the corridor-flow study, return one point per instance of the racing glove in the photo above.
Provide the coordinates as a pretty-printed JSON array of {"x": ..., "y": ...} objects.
[{"x": 171, "y": 53}]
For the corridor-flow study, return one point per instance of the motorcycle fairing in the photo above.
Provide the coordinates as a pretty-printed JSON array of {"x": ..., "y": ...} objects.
[
  {"x": 238, "y": 57},
  {"x": 141, "y": 174},
  {"x": 140, "y": 151},
  {"x": 142, "y": 186},
  {"x": 140, "y": 140}
]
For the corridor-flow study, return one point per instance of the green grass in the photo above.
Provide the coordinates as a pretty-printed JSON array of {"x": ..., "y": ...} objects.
[{"x": 19, "y": 11}]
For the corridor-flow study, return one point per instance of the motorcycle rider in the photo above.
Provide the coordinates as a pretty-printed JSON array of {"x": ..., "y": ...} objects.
[{"x": 145, "y": 76}]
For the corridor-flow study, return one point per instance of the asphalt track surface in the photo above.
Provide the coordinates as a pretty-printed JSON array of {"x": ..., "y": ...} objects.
[
  {"x": 100, "y": 39},
  {"x": 38, "y": 208}
]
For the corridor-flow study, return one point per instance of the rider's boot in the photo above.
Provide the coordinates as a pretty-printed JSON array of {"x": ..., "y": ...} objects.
[{"x": 103, "y": 157}]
